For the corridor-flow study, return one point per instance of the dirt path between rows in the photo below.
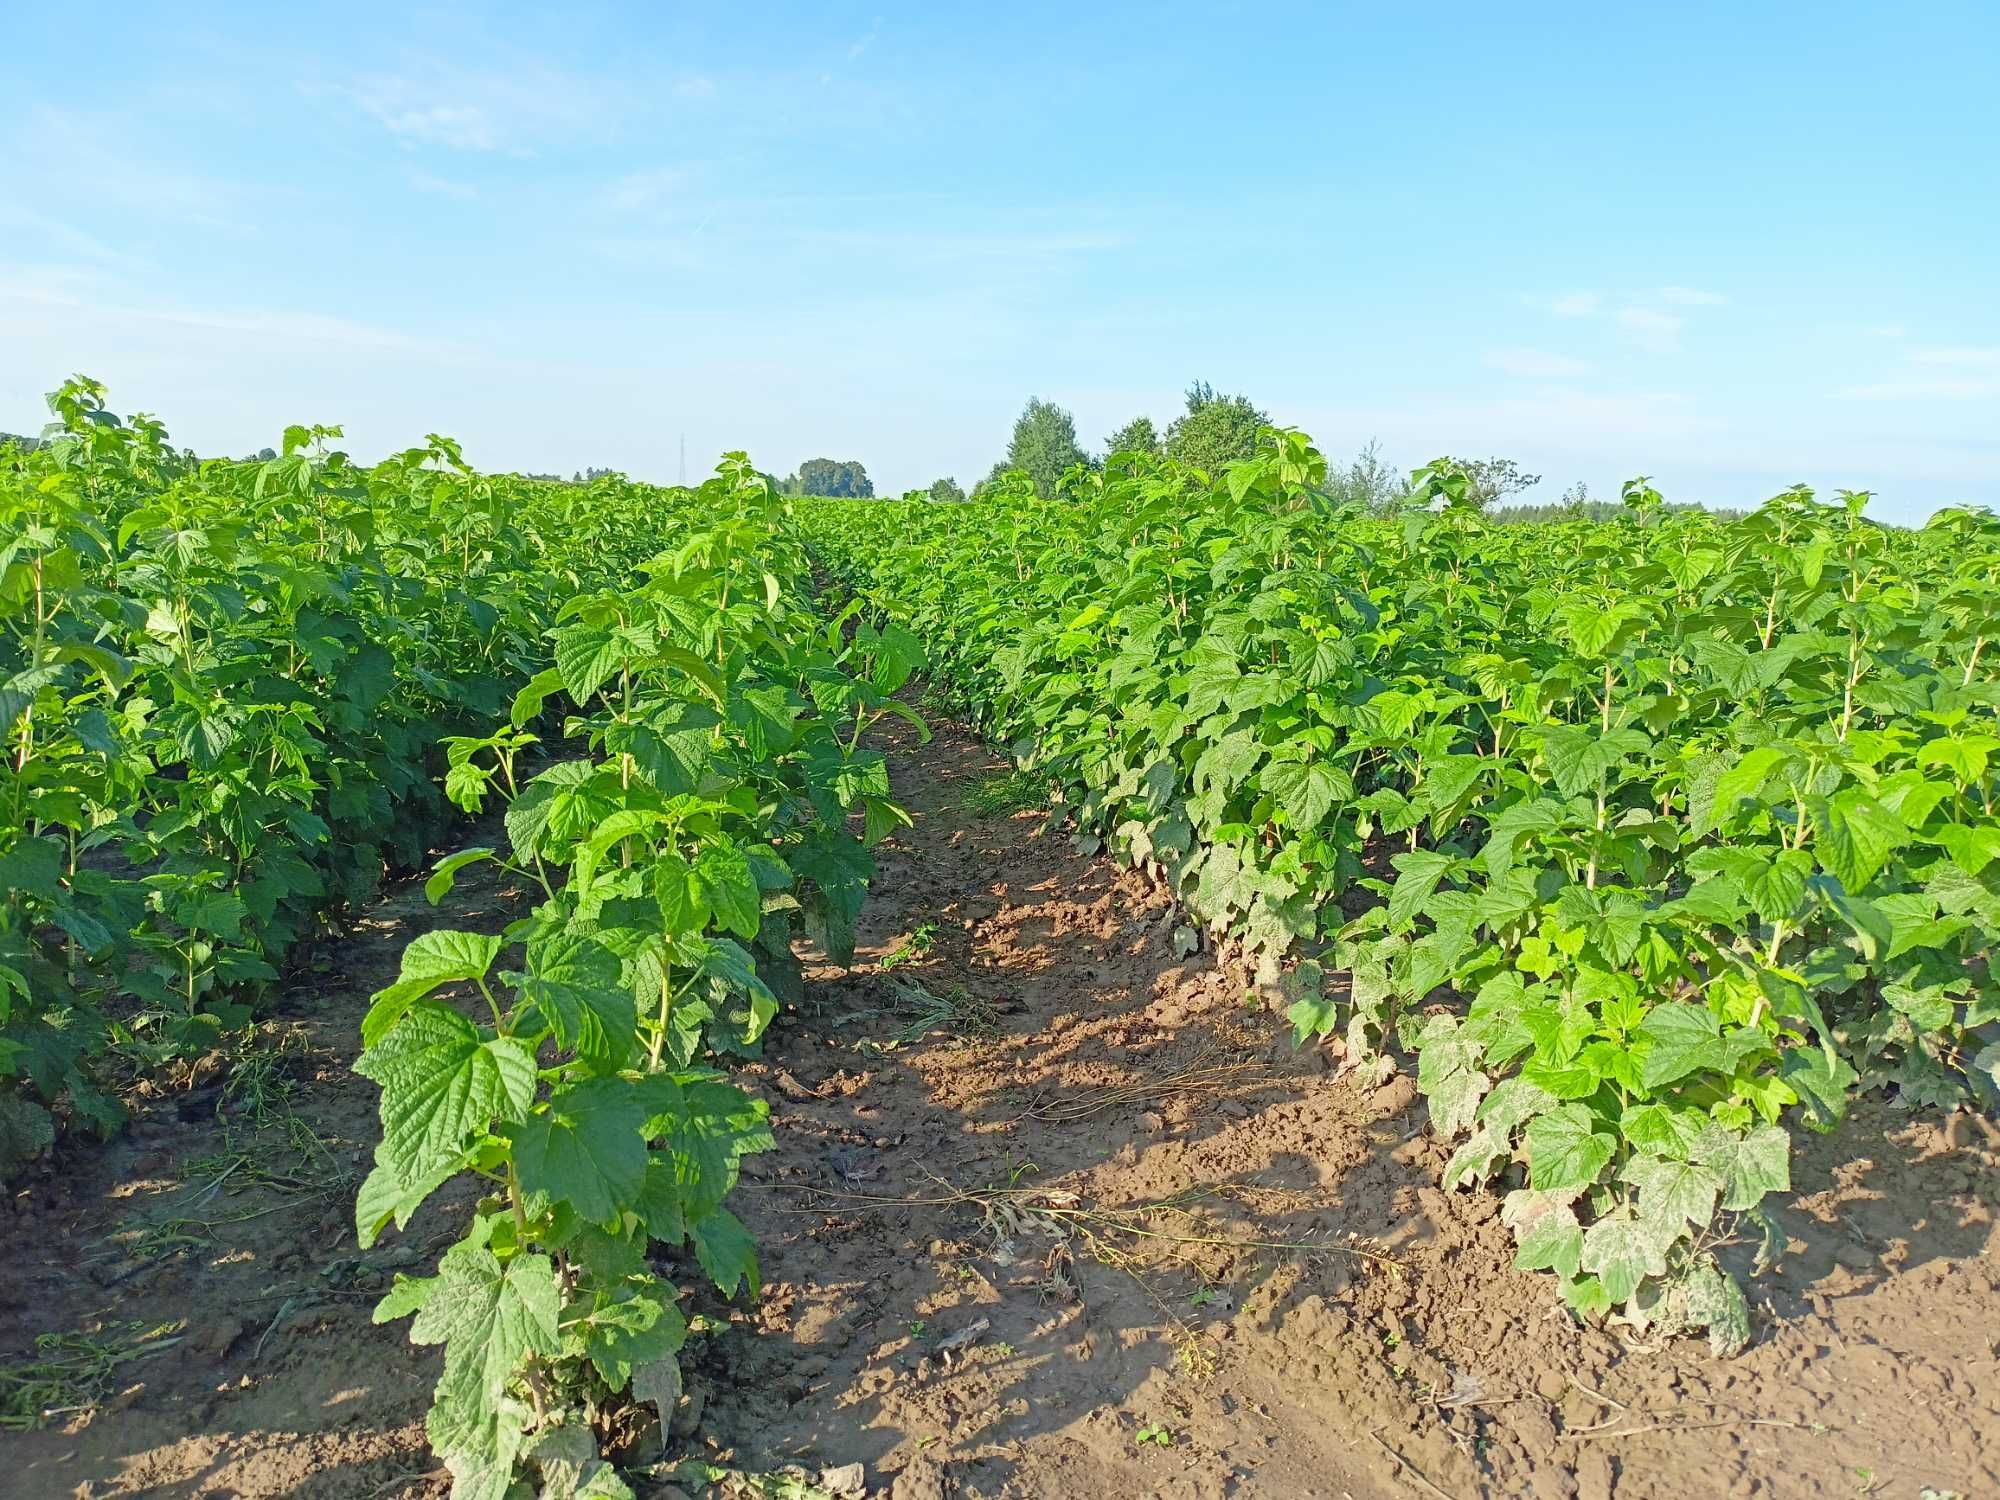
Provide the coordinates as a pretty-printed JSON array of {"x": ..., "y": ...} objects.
[{"x": 1056, "y": 1210}]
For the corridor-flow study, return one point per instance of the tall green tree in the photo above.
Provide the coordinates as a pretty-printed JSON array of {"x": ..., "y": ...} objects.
[
  {"x": 842, "y": 479},
  {"x": 1489, "y": 480},
  {"x": 1215, "y": 430},
  {"x": 946, "y": 491},
  {"x": 1044, "y": 445},
  {"x": 1137, "y": 436},
  {"x": 1368, "y": 481}
]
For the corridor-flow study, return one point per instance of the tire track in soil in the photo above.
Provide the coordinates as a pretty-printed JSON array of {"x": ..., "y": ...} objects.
[{"x": 1274, "y": 1371}]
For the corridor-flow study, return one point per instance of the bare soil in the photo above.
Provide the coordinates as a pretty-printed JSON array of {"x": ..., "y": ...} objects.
[{"x": 1056, "y": 1210}]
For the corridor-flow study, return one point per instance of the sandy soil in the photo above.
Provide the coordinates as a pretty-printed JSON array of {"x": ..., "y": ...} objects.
[{"x": 1096, "y": 1228}]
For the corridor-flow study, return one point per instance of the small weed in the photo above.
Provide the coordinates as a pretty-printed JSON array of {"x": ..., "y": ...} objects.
[
  {"x": 1203, "y": 1297},
  {"x": 1004, "y": 1351},
  {"x": 957, "y": 1011},
  {"x": 912, "y": 948},
  {"x": 919, "y": 1327},
  {"x": 1155, "y": 1434},
  {"x": 74, "y": 1371},
  {"x": 1016, "y": 791}
]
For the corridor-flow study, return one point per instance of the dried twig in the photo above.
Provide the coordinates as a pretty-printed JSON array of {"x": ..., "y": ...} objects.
[
  {"x": 1415, "y": 1473},
  {"x": 1071, "y": 1108}
]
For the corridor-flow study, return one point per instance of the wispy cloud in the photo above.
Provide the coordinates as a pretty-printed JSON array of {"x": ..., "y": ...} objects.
[
  {"x": 695, "y": 87},
  {"x": 103, "y": 300},
  {"x": 443, "y": 187},
  {"x": 1650, "y": 328},
  {"x": 1914, "y": 389},
  {"x": 1640, "y": 318},
  {"x": 462, "y": 127},
  {"x": 66, "y": 238},
  {"x": 862, "y": 44},
  {"x": 637, "y": 192},
  {"x": 1960, "y": 372},
  {"x": 515, "y": 106},
  {"x": 60, "y": 155},
  {"x": 1536, "y": 364},
  {"x": 1962, "y": 357},
  {"x": 970, "y": 244}
]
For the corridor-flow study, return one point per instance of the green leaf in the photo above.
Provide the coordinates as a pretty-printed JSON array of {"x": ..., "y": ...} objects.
[
  {"x": 1710, "y": 1298},
  {"x": 706, "y": 1127},
  {"x": 528, "y": 702},
  {"x": 726, "y": 1251},
  {"x": 490, "y": 1318},
  {"x": 386, "y": 1197},
  {"x": 1566, "y": 1149},
  {"x": 1673, "y": 1190},
  {"x": 674, "y": 748},
  {"x": 1685, "y": 1039},
  {"x": 1622, "y": 1250},
  {"x": 574, "y": 986},
  {"x": 443, "y": 1081},
  {"x": 33, "y": 867},
  {"x": 635, "y": 1326},
  {"x": 1546, "y": 1231},
  {"x": 1307, "y": 790},
  {"x": 584, "y": 1149},
  {"x": 1853, "y": 836},
  {"x": 443, "y": 956},
  {"x": 1448, "y": 1073},
  {"x": 586, "y": 657},
  {"x": 1579, "y": 759},
  {"x": 1662, "y": 1129},
  {"x": 1750, "y": 1164},
  {"x": 445, "y": 873},
  {"x": 1417, "y": 875},
  {"x": 1227, "y": 763},
  {"x": 1821, "y": 1078},
  {"x": 729, "y": 888},
  {"x": 1972, "y": 849},
  {"x": 1745, "y": 779}
]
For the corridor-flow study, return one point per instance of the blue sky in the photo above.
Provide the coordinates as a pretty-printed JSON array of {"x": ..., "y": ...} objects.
[{"x": 1730, "y": 246}]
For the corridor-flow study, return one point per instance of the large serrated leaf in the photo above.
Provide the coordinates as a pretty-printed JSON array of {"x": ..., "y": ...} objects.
[
  {"x": 443, "y": 1081},
  {"x": 584, "y": 1148}
]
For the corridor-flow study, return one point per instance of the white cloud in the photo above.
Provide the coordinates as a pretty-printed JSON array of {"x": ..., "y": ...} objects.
[
  {"x": 444, "y": 187},
  {"x": 1687, "y": 296},
  {"x": 1651, "y": 329},
  {"x": 59, "y": 156},
  {"x": 1575, "y": 304},
  {"x": 1536, "y": 364},
  {"x": 1969, "y": 389},
  {"x": 696, "y": 87},
  {"x": 67, "y": 237},
  {"x": 637, "y": 191},
  {"x": 514, "y": 107},
  {"x": 1961, "y": 358},
  {"x": 874, "y": 30},
  {"x": 462, "y": 127},
  {"x": 266, "y": 326}
]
